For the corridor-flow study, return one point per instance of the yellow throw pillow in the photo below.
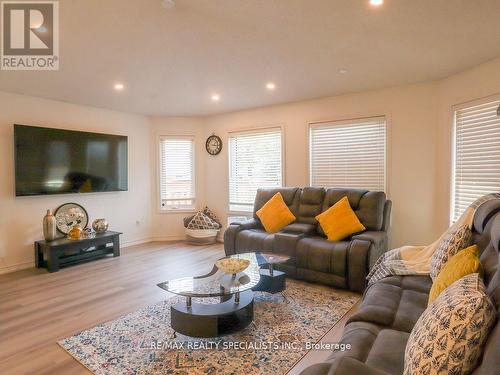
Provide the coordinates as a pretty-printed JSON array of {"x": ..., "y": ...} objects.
[
  {"x": 463, "y": 263},
  {"x": 339, "y": 221},
  {"x": 275, "y": 214}
]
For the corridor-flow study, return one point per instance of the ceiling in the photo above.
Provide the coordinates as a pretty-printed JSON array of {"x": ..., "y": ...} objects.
[{"x": 172, "y": 61}]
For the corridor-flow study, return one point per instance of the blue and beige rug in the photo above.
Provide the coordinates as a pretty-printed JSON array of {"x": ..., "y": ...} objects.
[{"x": 142, "y": 342}]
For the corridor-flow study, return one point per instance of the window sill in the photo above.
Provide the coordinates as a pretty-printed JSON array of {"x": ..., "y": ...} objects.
[
  {"x": 180, "y": 211},
  {"x": 240, "y": 213}
]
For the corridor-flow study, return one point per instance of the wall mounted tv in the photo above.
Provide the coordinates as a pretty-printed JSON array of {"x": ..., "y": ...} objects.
[{"x": 57, "y": 161}]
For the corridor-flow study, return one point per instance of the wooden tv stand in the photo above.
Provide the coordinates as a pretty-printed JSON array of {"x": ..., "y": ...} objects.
[{"x": 63, "y": 252}]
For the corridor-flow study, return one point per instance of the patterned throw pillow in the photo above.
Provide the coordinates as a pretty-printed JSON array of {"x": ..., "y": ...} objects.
[
  {"x": 187, "y": 220},
  {"x": 449, "y": 335},
  {"x": 207, "y": 211},
  {"x": 202, "y": 221},
  {"x": 451, "y": 244}
]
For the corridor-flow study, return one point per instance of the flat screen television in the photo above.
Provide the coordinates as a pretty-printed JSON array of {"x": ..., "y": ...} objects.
[{"x": 57, "y": 161}]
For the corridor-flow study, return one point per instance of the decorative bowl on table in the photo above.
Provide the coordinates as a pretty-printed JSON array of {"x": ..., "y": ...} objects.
[
  {"x": 232, "y": 265},
  {"x": 100, "y": 225}
]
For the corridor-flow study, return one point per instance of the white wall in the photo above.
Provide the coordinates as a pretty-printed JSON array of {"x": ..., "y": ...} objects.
[
  {"x": 169, "y": 225},
  {"x": 21, "y": 218},
  {"x": 411, "y": 115}
]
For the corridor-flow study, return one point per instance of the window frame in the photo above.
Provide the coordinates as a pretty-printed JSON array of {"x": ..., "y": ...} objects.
[
  {"x": 356, "y": 117},
  {"x": 453, "y": 134},
  {"x": 159, "y": 140},
  {"x": 260, "y": 129}
]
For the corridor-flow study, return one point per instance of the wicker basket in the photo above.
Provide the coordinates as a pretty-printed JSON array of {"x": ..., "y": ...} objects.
[{"x": 201, "y": 236}]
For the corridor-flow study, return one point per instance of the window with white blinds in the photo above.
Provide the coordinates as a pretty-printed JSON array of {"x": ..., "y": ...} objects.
[
  {"x": 349, "y": 154},
  {"x": 177, "y": 189},
  {"x": 254, "y": 162},
  {"x": 476, "y": 167}
]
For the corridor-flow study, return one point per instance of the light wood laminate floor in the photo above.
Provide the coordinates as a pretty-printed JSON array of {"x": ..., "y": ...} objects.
[{"x": 37, "y": 308}]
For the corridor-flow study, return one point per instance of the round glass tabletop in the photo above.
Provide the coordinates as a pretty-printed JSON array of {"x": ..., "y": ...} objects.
[{"x": 218, "y": 283}]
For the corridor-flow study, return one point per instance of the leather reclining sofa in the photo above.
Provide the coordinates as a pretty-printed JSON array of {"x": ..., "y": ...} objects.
[
  {"x": 379, "y": 330},
  {"x": 343, "y": 264}
]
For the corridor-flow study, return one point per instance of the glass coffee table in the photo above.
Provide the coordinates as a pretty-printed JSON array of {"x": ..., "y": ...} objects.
[{"x": 234, "y": 311}]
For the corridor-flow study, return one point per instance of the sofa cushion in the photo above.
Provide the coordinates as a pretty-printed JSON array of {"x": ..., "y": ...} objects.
[
  {"x": 374, "y": 345},
  {"x": 449, "y": 335},
  {"x": 254, "y": 240},
  {"x": 310, "y": 204},
  {"x": 300, "y": 228},
  {"x": 319, "y": 254},
  {"x": 395, "y": 302},
  {"x": 413, "y": 282},
  {"x": 386, "y": 353},
  {"x": 368, "y": 205},
  {"x": 275, "y": 214}
]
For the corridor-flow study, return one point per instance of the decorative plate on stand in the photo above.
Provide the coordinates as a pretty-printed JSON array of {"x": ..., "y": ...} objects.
[{"x": 69, "y": 215}]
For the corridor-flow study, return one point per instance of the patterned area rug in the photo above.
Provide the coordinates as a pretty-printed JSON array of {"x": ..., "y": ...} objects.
[{"x": 142, "y": 343}]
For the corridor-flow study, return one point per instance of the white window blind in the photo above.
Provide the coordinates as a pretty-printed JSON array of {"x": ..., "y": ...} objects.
[
  {"x": 254, "y": 162},
  {"x": 349, "y": 154},
  {"x": 177, "y": 189},
  {"x": 476, "y": 155}
]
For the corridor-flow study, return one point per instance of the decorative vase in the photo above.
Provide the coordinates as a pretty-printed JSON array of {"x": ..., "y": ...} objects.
[
  {"x": 75, "y": 232},
  {"x": 49, "y": 226},
  {"x": 100, "y": 225}
]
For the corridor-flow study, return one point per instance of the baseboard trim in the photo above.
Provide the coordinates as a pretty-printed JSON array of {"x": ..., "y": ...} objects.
[
  {"x": 135, "y": 242},
  {"x": 17, "y": 267},
  {"x": 176, "y": 238}
]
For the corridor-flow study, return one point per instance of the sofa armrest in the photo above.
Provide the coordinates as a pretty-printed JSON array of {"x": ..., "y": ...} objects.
[
  {"x": 387, "y": 216},
  {"x": 343, "y": 366},
  {"x": 379, "y": 242},
  {"x": 248, "y": 224},
  {"x": 232, "y": 231},
  {"x": 357, "y": 264}
]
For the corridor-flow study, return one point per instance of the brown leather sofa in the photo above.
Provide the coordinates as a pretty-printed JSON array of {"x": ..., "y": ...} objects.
[
  {"x": 343, "y": 264},
  {"x": 379, "y": 330}
]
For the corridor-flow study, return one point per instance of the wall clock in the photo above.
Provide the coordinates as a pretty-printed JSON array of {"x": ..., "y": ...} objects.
[{"x": 213, "y": 145}]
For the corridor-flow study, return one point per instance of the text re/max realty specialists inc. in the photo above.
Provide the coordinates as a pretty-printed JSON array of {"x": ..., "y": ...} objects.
[{"x": 245, "y": 345}]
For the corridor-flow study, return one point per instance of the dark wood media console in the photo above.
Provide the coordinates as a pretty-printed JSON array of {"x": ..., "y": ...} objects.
[{"x": 62, "y": 251}]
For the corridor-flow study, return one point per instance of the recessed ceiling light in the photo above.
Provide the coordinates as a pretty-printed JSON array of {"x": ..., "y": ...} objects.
[
  {"x": 119, "y": 86},
  {"x": 376, "y": 3},
  {"x": 343, "y": 71},
  {"x": 215, "y": 97},
  {"x": 270, "y": 86}
]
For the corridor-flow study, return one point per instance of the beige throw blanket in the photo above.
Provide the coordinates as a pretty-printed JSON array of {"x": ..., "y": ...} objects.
[{"x": 416, "y": 260}]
